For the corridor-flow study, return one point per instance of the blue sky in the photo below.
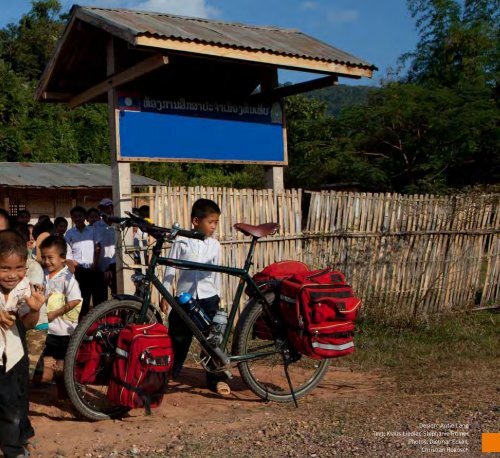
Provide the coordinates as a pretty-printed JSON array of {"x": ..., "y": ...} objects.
[{"x": 378, "y": 32}]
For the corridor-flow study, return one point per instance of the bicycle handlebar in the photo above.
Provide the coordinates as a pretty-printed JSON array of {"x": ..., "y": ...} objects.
[{"x": 151, "y": 229}]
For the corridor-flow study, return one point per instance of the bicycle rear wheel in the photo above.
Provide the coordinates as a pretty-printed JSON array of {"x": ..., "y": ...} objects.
[
  {"x": 90, "y": 355},
  {"x": 266, "y": 376}
]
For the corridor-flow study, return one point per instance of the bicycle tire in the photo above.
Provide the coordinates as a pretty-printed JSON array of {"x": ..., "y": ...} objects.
[
  {"x": 89, "y": 399},
  {"x": 266, "y": 376}
]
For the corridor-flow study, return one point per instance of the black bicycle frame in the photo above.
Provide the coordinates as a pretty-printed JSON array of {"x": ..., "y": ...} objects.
[{"x": 245, "y": 279}]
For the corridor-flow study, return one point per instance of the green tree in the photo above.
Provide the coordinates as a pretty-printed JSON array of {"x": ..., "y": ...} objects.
[
  {"x": 458, "y": 45},
  {"x": 425, "y": 138},
  {"x": 28, "y": 45},
  {"x": 320, "y": 150}
]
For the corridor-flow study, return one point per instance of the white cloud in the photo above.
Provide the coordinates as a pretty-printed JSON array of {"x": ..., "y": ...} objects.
[
  {"x": 197, "y": 8},
  {"x": 308, "y": 5},
  {"x": 342, "y": 16}
]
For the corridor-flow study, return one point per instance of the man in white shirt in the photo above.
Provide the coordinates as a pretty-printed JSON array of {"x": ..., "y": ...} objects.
[{"x": 84, "y": 254}]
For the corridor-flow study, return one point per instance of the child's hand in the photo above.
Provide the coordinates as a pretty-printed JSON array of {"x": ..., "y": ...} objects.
[
  {"x": 37, "y": 298},
  {"x": 164, "y": 305},
  {"x": 7, "y": 320}
]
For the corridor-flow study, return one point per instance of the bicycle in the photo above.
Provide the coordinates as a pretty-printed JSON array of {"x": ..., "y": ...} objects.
[{"x": 268, "y": 365}]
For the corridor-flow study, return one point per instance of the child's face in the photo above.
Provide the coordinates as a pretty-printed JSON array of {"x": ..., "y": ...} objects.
[
  {"x": 92, "y": 217},
  {"x": 206, "y": 225},
  {"x": 12, "y": 271},
  {"x": 78, "y": 219},
  {"x": 52, "y": 259},
  {"x": 62, "y": 227},
  {"x": 4, "y": 223}
]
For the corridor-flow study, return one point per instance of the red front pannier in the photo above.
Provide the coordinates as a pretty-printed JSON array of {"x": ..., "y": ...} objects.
[
  {"x": 92, "y": 360},
  {"x": 144, "y": 357},
  {"x": 319, "y": 310}
]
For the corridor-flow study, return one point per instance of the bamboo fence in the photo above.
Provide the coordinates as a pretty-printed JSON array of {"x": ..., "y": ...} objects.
[
  {"x": 409, "y": 255},
  {"x": 406, "y": 255}
]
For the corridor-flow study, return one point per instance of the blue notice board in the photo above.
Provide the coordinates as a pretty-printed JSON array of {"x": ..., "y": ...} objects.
[{"x": 181, "y": 129}]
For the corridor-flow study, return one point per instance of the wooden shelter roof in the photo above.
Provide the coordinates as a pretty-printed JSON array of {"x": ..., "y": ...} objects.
[{"x": 233, "y": 56}]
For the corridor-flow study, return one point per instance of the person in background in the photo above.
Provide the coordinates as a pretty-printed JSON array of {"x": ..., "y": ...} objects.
[
  {"x": 203, "y": 286},
  {"x": 31, "y": 240},
  {"x": 63, "y": 308},
  {"x": 23, "y": 217},
  {"x": 19, "y": 309},
  {"x": 144, "y": 211},
  {"x": 61, "y": 226},
  {"x": 106, "y": 239},
  {"x": 93, "y": 216},
  {"x": 42, "y": 218},
  {"x": 84, "y": 253},
  {"x": 41, "y": 231},
  {"x": 4, "y": 219}
]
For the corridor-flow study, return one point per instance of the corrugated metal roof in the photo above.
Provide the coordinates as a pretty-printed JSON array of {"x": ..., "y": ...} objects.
[
  {"x": 225, "y": 34},
  {"x": 55, "y": 175}
]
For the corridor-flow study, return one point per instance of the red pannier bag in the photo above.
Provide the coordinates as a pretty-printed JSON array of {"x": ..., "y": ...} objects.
[
  {"x": 274, "y": 273},
  {"x": 142, "y": 365},
  {"x": 90, "y": 367},
  {"x": 319, "y": 310}
]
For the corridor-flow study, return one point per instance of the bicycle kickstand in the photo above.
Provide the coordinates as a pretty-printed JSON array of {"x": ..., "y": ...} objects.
[{"x": 289, "y": 380}]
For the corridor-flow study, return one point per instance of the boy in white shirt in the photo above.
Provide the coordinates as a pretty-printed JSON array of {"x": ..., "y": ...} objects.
[
  {"x": 64, "y": 303},
  {"x": 203, "y": 286},
  {"x": 19, "y": 310}
]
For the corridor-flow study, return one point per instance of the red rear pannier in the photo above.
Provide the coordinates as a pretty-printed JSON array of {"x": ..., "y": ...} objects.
[
  {"x": 274, "y": 273},
  {"x": 91, "y": 366},
  {"x": 144, "y": 357},
  {"x": 319, "y": 316}
]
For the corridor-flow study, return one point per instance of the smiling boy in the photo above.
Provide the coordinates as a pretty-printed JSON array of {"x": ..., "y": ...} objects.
[
  {"x": 19, "y": 309},
  {"x": 63, "y": 303}
]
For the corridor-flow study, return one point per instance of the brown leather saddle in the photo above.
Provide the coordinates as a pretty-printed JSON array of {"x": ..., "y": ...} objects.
[{"x": 262, "y": 230}]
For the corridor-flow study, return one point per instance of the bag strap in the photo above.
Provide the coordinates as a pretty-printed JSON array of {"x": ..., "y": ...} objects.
[{"x": 144, "y": 396}]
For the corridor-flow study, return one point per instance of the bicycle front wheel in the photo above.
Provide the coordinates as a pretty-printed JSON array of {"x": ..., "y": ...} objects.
[
  {"x": 266, "y": 376},
  {"x": 90, "y": 356}
]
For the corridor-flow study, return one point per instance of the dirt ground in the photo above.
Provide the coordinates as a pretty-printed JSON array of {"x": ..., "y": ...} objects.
[{"x": 351, "y": 413}]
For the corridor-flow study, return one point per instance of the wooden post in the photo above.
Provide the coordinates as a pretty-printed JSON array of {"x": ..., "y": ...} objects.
[
  {"x": 274, "y": 178},
  {"x": 274, "y": 175},
  {"x": 120, "y": 177}
]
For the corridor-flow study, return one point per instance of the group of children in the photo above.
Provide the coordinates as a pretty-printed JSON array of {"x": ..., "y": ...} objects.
[
  {"x": 61, "y": 296},
  {"x": 40, "y": 293}
]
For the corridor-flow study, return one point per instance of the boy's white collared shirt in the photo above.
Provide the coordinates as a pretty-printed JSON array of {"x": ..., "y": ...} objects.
[
  {"x": 63, "y": 284},
  {"x": 199, "y": 284},
  {"x": 10, "y": 342}
]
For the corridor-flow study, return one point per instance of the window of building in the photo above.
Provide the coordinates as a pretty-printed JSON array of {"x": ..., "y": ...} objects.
[{"x": 14, "y": 209}]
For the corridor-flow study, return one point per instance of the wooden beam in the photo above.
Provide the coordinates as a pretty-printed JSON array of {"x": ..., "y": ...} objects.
[
  {"x": 297, "y": 63},
  {"x": 120, "y": 172},
  {"x": 56, "y": 96},
  {"x": 47, "y": 73},
  {"x": 299, "y": 88},
  {"x": 140, "y": 69}
]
